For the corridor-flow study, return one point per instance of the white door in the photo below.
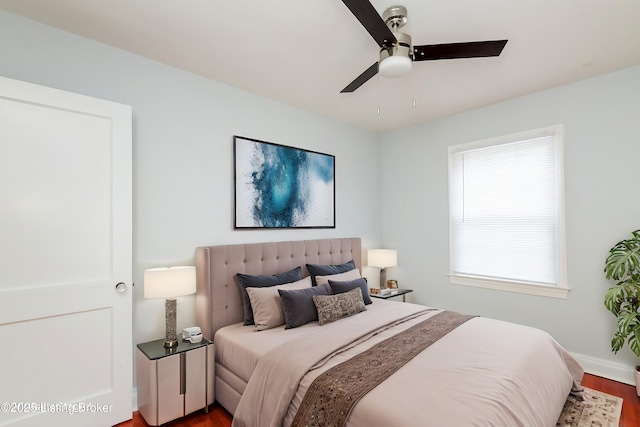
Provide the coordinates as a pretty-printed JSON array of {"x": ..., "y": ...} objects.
[{"x": 65, "y": 243}]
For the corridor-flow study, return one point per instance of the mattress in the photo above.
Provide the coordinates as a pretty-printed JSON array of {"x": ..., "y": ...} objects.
[{"x": 238, "y": 348}]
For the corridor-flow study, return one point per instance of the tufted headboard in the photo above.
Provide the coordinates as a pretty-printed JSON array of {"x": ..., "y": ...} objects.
[{"x": 218, "y": 296}]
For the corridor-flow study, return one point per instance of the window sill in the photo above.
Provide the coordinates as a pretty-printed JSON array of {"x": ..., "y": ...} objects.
[{"x": 510, "y": 286}]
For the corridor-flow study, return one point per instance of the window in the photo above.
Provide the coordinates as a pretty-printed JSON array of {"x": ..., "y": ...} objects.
[{"x": 506, "y": 213}]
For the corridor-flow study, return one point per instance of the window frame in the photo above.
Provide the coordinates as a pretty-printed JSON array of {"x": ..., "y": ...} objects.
[{"x": 561, "y": 289}]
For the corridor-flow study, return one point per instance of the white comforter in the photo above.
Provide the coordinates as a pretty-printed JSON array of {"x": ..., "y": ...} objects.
[{"x": 484, "y": 373}]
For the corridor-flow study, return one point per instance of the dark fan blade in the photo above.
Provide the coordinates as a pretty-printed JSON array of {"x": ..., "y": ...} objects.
[
  {"x": 361, "y": 79},
  {"x": 371, "y": 21},
  {"x": 432, "y": 52}
]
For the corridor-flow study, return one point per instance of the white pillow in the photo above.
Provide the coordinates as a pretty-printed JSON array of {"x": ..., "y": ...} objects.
[
  {"x": 266, "y": 305},
  {"x": 340, "y": 277}
]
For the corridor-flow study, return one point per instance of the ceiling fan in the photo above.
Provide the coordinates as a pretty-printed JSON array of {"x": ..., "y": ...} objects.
[{"x": 396, "y": 52}]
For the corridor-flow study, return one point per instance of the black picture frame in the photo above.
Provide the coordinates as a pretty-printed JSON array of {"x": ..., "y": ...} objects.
[{"x": 281, "y": 187}]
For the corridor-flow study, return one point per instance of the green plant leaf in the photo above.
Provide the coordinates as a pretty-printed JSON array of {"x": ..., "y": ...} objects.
[
  {"x": 629, "y": 288},
  {"x": 611, "y": 301},
  {"x": 617, "y": 298},
  {"x": 627, "y": 322},
  {"x": 623, "y": 258},
  {"x": 634, "y": 342},
  {"x": 616, "y": 343}
]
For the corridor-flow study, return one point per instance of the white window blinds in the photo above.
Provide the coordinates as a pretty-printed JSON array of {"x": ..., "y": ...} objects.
[{"x": 506, "y": 209}]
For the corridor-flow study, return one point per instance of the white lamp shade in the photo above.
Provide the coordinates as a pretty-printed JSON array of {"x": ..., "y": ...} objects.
[
  {"x": 169, "y": 282},
  {"x": 395, "y": 66},
  {"x": 382, "y": 258}
]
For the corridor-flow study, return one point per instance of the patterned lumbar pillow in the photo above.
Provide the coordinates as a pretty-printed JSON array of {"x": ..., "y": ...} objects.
[{"x": 333, "y": 307}]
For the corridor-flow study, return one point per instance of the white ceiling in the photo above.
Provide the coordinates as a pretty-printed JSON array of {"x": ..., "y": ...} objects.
[{"x": 303, "y": 52}]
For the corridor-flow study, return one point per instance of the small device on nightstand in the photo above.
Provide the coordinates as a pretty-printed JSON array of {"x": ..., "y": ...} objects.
[{"x": 193, "y": 334}]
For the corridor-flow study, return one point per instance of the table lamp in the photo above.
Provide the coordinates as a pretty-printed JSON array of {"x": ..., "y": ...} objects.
[
  {"x": 169, "y": 283},
  {"x": 383, "y": 258}
]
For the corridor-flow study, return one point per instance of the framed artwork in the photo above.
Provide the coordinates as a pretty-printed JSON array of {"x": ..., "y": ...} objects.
[{"x": 277, "y": 186}]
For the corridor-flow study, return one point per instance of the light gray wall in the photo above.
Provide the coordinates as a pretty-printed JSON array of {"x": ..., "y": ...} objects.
[
  {"x": 183, "y": 155},
  {"x": 602, "y": 148}
]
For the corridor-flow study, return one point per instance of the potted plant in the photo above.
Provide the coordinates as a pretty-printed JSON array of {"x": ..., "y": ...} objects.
[{"x": 623, "y": 299}]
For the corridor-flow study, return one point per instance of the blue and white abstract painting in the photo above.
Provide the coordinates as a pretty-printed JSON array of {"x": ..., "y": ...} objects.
[{"x": 282, "y": 187}]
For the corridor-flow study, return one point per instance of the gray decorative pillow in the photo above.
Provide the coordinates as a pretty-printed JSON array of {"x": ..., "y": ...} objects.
[
  {"x": 342, "y": 287},
  {"x": 247, "y": 280},
  {"x": 333, "y": 307},
  {"x": 340, "y": 277},
  {"x": 266, "y": 305},
  {"x": 326, "y": 270},
  {"x": 298, "y": 305}
]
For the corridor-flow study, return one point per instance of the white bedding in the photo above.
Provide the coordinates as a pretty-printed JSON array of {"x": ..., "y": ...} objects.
[{"x": 484, "y": 373}]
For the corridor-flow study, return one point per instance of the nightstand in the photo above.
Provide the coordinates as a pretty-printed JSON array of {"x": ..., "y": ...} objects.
[
  {"x": 397, "y": 293},
  {"x": 174, "y": 382}
]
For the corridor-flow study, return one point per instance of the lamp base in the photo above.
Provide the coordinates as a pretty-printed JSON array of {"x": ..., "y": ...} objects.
[
  {"x": 170, "y": 310},
  {"x": 383, "y": 278},
  {"x": 170, "y": 344}
]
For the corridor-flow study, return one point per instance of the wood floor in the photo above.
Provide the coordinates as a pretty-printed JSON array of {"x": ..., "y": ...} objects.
[{"x": 219, "y": 417}]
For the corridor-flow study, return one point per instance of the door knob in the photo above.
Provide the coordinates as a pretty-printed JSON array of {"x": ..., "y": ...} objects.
[{"x": 121, "y": 287}]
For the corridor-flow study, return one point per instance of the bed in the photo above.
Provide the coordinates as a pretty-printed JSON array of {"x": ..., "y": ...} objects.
[{"x": 479, "y": 372}]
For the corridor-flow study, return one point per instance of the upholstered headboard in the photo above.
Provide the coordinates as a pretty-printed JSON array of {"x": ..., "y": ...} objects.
[{"x": 218, "y": 296}]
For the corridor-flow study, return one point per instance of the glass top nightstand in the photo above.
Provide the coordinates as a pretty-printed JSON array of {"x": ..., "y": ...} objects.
[
  {"x": 174, "y": 382},
  {"x": 394, "y": 293},
  {"x": 154, "y": 349}
]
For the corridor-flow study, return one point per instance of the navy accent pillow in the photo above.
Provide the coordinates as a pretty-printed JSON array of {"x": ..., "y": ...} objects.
[
  {"x": 342, "y": 287},
  {"x": 298, "y": 305},
  {"x": 249, "y": 281},
  {"x": 326, "y": 270}
]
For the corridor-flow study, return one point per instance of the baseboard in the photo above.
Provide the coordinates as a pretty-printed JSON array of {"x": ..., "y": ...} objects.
[
  {"x": 135, "y": 399},
  {"x": 607, "y": 369}
]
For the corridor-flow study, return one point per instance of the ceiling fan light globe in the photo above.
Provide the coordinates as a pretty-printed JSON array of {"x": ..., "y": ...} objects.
[{"x": 395, "y": 66}]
